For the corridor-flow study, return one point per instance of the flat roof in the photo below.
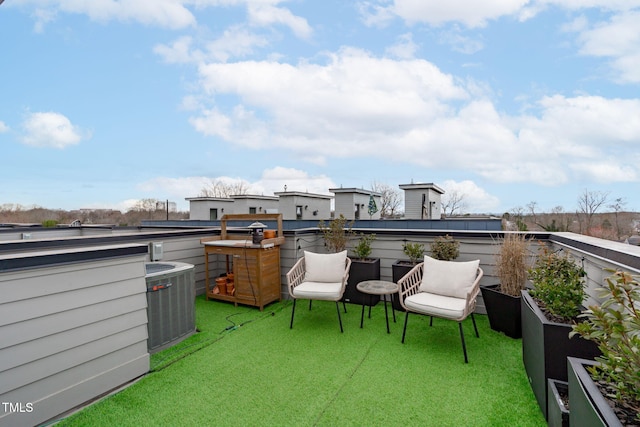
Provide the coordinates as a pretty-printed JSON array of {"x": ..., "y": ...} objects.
[
  {"x": 302, "y": 194},
  {"x": 424, "y": 186},
  {"x": 354, "y": 190}
]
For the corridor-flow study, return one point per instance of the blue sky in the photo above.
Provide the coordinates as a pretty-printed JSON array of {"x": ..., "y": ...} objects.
[{"x": 505, "y": 102}]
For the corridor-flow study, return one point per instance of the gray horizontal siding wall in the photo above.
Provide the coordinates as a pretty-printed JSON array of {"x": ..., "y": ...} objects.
[
  {"x": 596, "y": 256},
  {"x": 69, "y": 333}
]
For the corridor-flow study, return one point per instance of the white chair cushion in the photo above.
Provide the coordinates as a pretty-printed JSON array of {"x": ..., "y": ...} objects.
[
  {"x": 436, "y": 305},
  {"x": 318, "y": 291},
  {"x": 448, "y": 278},
  {"x": 325, "y": 268}
]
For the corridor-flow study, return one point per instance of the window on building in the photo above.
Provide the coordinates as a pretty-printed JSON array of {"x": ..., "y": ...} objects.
[
  {"x": 213, "y": 214},
  {"x": 357, "y": 211},
  {"x": 298, "y": 212},
  {"x": 252, "y": 210}
]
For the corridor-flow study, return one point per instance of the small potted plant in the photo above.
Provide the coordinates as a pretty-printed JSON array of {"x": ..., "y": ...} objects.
[
  {"x": 363, "y": 267},
  {"x": 609, "y": 388},
  {"x": 414, "y": 251},
  {"x": 549, "y": 310},
  {"x": 336, "y": 234},
  {"x": 445, "y": 248}
]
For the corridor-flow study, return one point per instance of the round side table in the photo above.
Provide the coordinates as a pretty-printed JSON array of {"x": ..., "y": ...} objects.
[{"x": 379, "y": 287}]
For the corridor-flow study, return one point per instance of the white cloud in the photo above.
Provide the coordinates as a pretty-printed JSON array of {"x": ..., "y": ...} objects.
[
  {"x": 473, "y": 13},
  {"x": 51, "y": 130},
  {"x": 177, "y": 187},
  {"x": 263, "y": 14},
  {"x": 171, "y": 14},
  {"x": 408, "y": 111},
  {"x": 43, "y": 17},
  {"x": 582, "y": 137},
  {"x": 235, "y": 42},
  {"x": 607, "y": 171},
  {"x": 179, "y": 51},
  {"x": 3, "y": 127},
  {"x": 619, "y": 5},
  {"x": 618, "y": 39},
  {"x": 461, "y": 43},
  {"x": 273, "y": 180},
  {"x": 473, "y": 197},
  {"x": 405, "y": 47},
  {"x": 311, "y": 108},
  {"x": 470, "y": 13}
]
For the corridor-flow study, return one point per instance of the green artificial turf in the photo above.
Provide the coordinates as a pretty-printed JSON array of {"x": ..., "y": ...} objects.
[{"x": 246, "y": 367}]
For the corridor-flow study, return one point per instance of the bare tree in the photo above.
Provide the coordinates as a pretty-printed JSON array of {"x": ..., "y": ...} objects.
[
  {"x": 390, "y": 199},
  {"x": 517, "y": 216},
  {"x": 220, "y": 188},
  {"x": 532, "y": 210},
  {"x": 589, "y": 202},
  {"x": 145, "y": 205},
  {"x": 617, "y": 206},
  {"x": 453, "y": 203}
]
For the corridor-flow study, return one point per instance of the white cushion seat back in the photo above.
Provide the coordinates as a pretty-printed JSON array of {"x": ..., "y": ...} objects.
[
  {"x": 324, "y": 268},
  {"x": 448, "y": 278}
]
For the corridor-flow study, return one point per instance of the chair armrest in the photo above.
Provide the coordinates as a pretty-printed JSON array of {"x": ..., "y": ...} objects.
[
  {"x": 345, "y": 277},
  {"x": 472, "y": 295},
  {"x": 410, "y": 283},
  {"x": 295, "y": 276}
]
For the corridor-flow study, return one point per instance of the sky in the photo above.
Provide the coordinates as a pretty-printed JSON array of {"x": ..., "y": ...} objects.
[{"x": 506, "y": 103}]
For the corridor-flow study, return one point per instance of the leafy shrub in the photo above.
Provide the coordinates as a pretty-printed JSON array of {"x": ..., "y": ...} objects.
[
  {"x": 615, "y": 327},
  {"x": 445, "y": 248},
  {"x": 512, "y": 263},
  {"x": 363, "y": 249},
  {"x": 337, "y": 233},
  {"x": 558, "y": 283},
  {"x": 415, "y": 251}
]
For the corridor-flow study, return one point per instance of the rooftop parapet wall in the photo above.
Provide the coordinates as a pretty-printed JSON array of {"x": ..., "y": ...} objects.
[{"x": 73, "y": 327}]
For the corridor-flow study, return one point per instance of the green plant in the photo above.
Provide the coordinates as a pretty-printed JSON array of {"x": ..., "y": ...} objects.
[
  {"x": 49, "y": 223},
  {"x": 337, "y": 233},
  {"x": 512, "y": 263},
  {"x": 363, "y": 249},
  {"x": 558, "y": 284},
  {"x": 615, "y": 327},
  {"x": 445, "y": 248},
  {"x": 415, "y": 251}
]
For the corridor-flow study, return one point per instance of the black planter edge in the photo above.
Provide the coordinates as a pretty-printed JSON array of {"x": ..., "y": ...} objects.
[
  {"x": 511, "y": 328},
  {"x": 536, "y": 309},
  {"x": 554, "y": 400},
  {"x": 591, "y": 391}
]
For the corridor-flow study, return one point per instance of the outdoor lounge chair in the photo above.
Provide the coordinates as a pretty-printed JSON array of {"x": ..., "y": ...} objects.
[
  {"x": 319, "y": 277},
  {"x": 443, "y": 289}
]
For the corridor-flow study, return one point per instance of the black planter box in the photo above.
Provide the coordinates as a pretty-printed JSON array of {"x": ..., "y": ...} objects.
[
  {"x": 361, "y": 270},
  {"x": 545, "y": 348},
  {"x": 398, "y": 270},
  {"x": 588, "y": 407},
  {"x": 558, "y": 413},
  {"x": 503, "y": 311}
]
